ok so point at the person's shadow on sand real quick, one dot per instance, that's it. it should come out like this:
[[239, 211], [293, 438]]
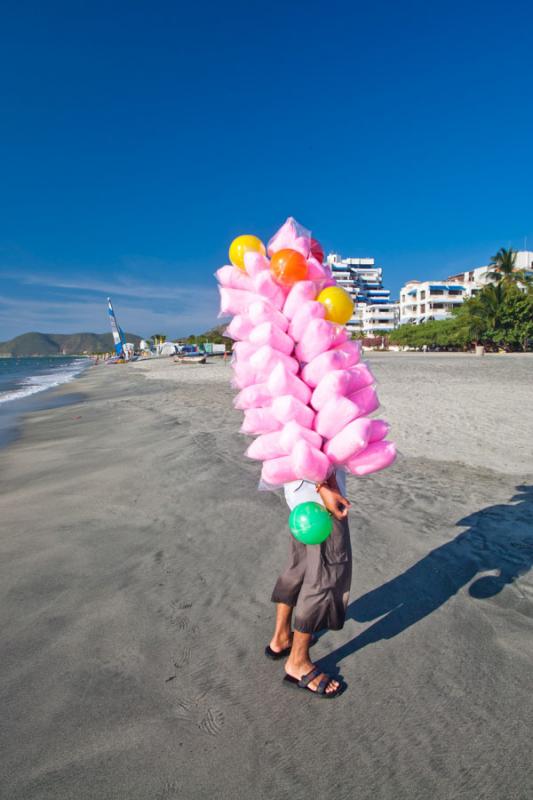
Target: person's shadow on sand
[[499, 538]]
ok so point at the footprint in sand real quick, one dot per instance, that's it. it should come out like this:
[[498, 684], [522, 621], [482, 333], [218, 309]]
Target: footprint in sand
[[181, 623], [170, 790], [212, 722], [183, 633], [208, 719], [183, 658], [179, 662], [178, 621]]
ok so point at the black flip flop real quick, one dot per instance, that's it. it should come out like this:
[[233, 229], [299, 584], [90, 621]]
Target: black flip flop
[[276, 656], [284, 653], [305, 680]]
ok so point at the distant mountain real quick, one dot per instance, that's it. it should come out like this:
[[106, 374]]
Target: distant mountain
[[61, 344]]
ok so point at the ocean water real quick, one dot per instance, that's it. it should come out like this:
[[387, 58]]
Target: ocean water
[[22, 377]]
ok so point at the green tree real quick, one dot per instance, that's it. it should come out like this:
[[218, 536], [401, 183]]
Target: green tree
[[501, 315], [516, 320], [435, 333], [471, 322], [479, 316], [215, 335]]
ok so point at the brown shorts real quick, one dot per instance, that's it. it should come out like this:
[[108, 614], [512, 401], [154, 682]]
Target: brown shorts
[[317, 581]]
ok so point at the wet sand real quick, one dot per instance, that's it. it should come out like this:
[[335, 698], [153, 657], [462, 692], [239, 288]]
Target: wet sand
[[137, 560]]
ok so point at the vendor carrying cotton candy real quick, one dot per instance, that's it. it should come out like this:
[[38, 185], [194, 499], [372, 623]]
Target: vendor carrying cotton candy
[[307, 399]]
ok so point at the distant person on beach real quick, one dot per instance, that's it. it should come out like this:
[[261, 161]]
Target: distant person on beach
[[315, 587]]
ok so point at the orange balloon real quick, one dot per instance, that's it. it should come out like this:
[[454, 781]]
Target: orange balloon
[[288, 266]]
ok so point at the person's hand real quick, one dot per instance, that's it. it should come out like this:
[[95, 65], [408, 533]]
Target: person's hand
[[335, 503]]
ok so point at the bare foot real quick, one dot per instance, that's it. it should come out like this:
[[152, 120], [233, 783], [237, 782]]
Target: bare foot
[[281, 642]]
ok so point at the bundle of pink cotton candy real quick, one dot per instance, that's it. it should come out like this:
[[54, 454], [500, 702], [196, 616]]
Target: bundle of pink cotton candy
[[305, 394]]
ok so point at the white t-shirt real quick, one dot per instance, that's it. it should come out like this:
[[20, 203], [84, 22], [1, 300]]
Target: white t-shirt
[[298, 492]]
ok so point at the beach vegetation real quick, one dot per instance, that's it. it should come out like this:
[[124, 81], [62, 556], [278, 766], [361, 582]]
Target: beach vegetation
[[499, 317], [446, 333], [214, 335]]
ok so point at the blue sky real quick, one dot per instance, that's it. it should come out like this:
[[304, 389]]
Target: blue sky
[[138, 138]]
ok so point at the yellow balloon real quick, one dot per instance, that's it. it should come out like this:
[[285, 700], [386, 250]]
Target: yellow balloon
[[244, 244], [339, 304]]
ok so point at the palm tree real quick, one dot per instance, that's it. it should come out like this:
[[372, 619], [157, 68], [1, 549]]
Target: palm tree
[[505, 272], [480, 315], [158, 338], [471, 321], [491, 301]]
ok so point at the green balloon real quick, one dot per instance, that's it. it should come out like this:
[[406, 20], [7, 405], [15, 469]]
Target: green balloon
[[310, 523]]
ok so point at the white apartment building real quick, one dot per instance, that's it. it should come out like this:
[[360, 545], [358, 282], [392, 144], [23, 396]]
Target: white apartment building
[[379, 319], [421, 301], [374, 314], [476, 277]]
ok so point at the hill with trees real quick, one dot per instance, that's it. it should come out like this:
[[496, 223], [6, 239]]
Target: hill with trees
[[61, 344], [214, 335]]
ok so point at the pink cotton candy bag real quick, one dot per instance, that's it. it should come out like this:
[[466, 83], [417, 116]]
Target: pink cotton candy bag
[[305, 394]]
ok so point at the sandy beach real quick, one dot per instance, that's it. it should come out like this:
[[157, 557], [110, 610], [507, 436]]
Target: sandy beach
[[137, 559]]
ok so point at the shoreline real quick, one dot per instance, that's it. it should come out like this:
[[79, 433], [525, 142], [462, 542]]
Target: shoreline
[[136, 563], [13, 413]]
